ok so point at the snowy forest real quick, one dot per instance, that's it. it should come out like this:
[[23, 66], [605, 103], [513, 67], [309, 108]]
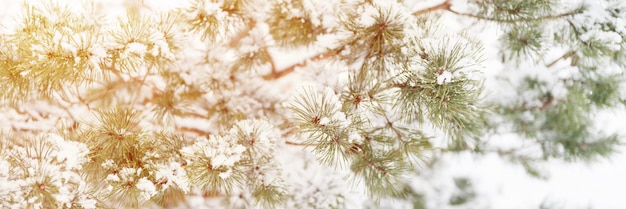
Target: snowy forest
[[417, 104]]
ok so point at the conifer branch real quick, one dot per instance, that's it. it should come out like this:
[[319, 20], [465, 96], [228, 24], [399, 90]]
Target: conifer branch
[[515, 20], [271, 60], [299, 144], [374, 165], [546, 103], [447, 6], [234, 41], [562, 57], [403, 73], [443, 6], [275, 74]]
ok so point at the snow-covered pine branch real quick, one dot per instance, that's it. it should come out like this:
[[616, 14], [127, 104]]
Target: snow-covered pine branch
[[296, 103]]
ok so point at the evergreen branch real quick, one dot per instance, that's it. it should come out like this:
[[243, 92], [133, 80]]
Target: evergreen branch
[[447, 5], [142, 82], [251, 23], [113, 70], [390, 125], [299, 144], [377, 166], [286, 71], [271, 60], [564, 56], [373, 121], [576, 31], [546, 103], [443, 6], [83, 101], [193, 130], [67, 109], [514, 20], [111, 88]]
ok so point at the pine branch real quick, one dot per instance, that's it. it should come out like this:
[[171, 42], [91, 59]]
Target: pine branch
[[562, 57], [401, 75], [275, 74], [515, 20], [272, 63], [299, 144], [443, 6], [447, 6]]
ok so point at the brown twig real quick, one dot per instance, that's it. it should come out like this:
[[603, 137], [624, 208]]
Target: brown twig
[[443, 6], [546, 103], [321, 56], [193, 130], [447, 6], [298, 144], [565, 56], [271, 60], [512, 20], [234, 42], [374, 165]]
